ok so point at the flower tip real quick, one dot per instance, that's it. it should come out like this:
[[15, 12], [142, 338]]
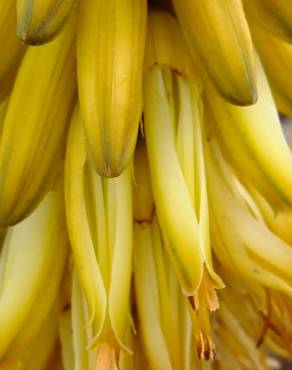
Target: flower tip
[[250, 97], [106, 358]]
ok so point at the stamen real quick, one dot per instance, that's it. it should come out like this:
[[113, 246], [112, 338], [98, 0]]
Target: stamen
[[106, 358]]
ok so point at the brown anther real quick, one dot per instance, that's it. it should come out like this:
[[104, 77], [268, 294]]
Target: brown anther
[[205, 347]]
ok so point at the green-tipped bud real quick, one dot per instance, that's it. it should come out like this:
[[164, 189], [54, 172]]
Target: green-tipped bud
[[218, 37], [110, 52], [39, 21], [34, 129]]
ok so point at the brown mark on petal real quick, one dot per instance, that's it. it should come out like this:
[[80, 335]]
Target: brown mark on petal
[[267, 322], [192, 302]]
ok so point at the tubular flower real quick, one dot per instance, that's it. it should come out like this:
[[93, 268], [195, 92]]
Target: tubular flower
[[145, 184]]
